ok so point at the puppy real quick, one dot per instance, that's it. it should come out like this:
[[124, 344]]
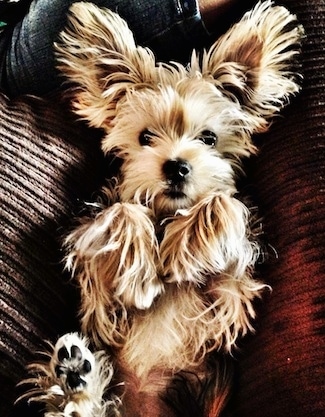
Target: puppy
[[165, 266]]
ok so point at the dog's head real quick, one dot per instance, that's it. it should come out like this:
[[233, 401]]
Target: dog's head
[[180, 131]]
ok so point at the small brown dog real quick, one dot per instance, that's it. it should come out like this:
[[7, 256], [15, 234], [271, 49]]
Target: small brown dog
[[165, 269]]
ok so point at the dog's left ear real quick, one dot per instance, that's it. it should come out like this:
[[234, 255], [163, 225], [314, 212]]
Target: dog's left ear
[[252, 62], [98, 55]]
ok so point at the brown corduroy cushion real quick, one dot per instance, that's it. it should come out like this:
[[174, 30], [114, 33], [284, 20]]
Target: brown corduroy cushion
[[281, 370], [48, 164]]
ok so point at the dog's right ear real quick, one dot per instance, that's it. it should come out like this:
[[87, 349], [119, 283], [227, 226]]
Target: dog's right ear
[[98, 55], [253, 63]]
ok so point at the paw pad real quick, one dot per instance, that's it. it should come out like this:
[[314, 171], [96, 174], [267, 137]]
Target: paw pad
[[72, 364]]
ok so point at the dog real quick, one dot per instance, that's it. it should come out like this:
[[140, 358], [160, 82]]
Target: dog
[[165, 266]]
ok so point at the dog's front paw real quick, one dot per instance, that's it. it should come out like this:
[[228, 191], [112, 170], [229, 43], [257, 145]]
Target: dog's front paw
[[114, 257], [72, 363], [210, 238]]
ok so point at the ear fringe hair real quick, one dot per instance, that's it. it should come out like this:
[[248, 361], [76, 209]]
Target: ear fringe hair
[[255, 58], [98, 55]]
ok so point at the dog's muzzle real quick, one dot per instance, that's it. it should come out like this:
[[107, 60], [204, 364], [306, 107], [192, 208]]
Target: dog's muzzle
[[177, 172]]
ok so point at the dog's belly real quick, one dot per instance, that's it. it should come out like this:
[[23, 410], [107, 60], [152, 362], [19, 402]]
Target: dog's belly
[[169, 337]]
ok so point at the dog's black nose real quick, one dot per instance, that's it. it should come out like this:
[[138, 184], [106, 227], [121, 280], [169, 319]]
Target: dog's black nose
[[176, 170]]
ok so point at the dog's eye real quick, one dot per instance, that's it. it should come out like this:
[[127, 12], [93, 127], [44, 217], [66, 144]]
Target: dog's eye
[[208, 137], [145, 138]]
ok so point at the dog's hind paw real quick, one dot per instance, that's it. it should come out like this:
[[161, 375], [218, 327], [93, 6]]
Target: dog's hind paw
[[72, 363], [73, 382]]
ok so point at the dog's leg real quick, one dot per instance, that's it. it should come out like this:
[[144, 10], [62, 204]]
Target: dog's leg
[[114, 258], [209, 246], [73, 382], [209, 238]]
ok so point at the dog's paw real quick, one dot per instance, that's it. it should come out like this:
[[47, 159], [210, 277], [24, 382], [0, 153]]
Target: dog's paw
[[118, 253], [74, 382], [72, 363], [210, 238]]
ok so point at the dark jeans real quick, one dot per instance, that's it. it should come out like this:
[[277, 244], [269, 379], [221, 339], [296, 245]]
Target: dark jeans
[[172, 28]]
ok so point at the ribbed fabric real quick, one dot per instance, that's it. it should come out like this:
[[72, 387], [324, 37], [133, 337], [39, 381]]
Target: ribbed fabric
[[47, 164], [281, 370]]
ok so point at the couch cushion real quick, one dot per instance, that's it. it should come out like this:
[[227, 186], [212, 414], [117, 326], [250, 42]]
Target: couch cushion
[[281, 369], [49, 164]]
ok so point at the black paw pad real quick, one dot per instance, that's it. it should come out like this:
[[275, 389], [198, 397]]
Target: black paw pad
[[86, 366], [72, 367], [76, 352], [74, 380], [59, 370], [63, 354]]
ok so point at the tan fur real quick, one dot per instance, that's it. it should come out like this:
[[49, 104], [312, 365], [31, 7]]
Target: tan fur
[[166, 270]]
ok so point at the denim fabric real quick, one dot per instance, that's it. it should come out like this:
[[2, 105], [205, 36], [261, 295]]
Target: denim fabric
[[172, 28]]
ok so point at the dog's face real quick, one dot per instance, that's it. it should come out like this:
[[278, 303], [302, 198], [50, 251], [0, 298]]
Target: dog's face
[[180, 131], [177, 143]]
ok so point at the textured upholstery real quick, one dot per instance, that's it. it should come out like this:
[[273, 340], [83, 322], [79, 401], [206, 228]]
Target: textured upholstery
[[281, 370], [50, 164]]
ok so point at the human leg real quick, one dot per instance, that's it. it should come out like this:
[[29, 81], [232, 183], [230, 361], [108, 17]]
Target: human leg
[[30, 63]]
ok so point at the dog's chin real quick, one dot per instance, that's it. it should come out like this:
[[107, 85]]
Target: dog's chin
[[172, 200], [175, 195]]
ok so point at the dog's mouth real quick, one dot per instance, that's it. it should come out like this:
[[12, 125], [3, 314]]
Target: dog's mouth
[[175, 192], [175, 195]]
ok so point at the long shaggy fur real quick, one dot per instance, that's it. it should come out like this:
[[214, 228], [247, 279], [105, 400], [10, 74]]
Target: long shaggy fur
[[166, 269]]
